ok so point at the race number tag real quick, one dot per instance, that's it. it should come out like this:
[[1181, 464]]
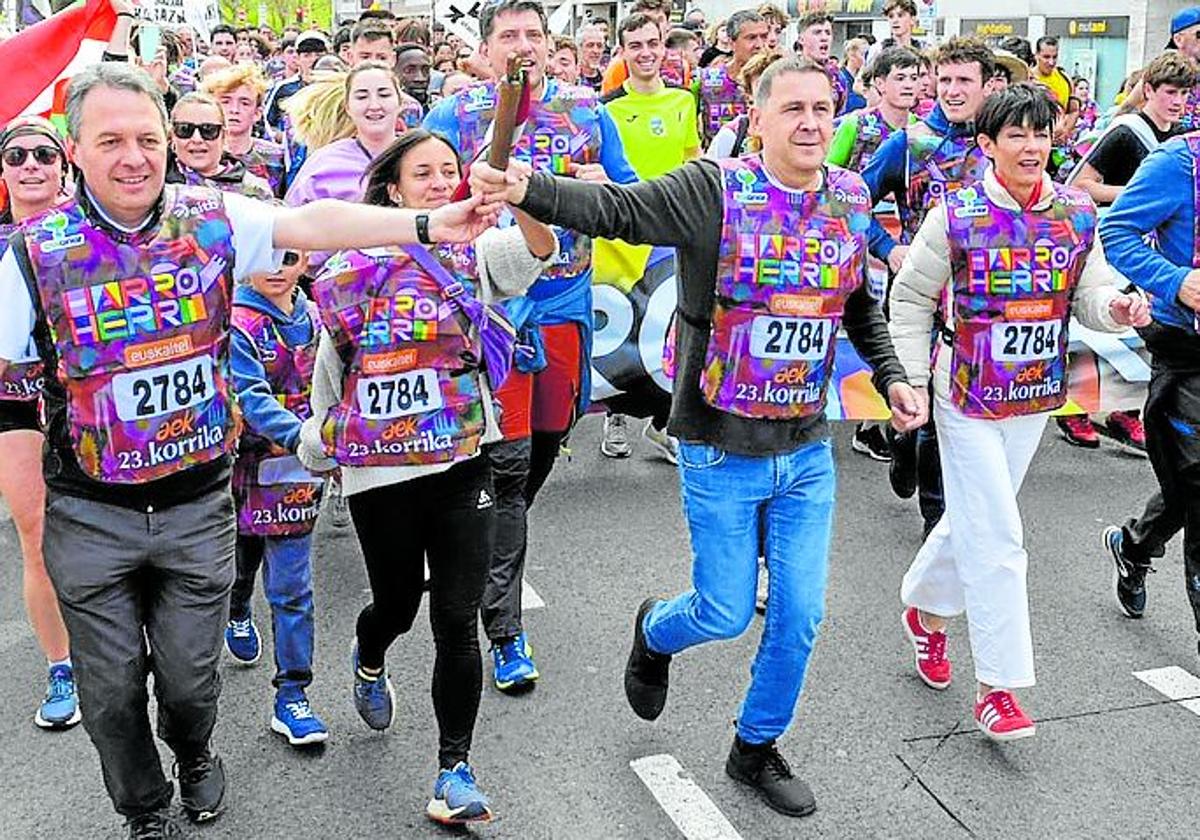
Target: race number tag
[[384, 397], [790, 339], [163, 390], [1025, 342]]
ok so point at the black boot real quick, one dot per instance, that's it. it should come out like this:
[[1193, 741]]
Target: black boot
[[764, 769], [646, 673], [201, 785]]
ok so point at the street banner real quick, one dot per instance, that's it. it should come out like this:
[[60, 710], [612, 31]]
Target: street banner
[[635, 293]]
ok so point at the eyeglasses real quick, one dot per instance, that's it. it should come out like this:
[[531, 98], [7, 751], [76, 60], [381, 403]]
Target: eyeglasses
[[17, 155], [208, 131], [290, 258]]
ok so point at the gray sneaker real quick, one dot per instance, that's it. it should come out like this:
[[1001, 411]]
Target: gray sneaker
[[666, 444], [615, 443], [338, 507]]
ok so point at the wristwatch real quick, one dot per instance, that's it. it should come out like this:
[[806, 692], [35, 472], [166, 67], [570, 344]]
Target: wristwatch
[[422, 221]]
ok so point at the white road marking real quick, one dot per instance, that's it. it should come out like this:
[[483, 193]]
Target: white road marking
[[1176, 684], [689, 807], [530, 600]]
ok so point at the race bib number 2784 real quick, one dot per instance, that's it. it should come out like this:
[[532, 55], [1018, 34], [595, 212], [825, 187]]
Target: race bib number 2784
[[165, 389]]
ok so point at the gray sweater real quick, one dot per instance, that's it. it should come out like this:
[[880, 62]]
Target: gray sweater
[[685, 209]]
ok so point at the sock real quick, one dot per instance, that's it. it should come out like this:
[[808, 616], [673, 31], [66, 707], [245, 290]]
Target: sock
[[369, 674], [51, 665]]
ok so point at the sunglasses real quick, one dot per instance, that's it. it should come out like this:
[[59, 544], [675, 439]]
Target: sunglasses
[[290, 258], [208, 131], [17, 155]]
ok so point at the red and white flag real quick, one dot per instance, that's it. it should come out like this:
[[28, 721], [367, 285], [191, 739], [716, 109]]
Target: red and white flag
[[39, 61]]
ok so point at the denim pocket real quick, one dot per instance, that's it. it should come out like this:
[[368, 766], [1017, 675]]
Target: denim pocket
[[700, 456]]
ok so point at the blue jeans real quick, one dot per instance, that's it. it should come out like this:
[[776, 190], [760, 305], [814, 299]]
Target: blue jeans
[[725, 497], [287, 583]]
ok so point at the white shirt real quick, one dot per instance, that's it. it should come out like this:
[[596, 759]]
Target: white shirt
[[253, 226]]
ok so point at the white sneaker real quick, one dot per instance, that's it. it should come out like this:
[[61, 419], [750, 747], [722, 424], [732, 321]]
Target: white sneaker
[[615, 443], [338, 507], [666, 444]]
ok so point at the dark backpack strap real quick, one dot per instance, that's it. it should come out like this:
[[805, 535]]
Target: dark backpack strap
[[739, 142]]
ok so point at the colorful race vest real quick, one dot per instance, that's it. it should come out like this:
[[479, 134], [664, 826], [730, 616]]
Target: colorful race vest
[[561, 131], [840, 91], [266, 160], [411, 382], [937, 165], [22, 381], [787, 263], [1190, 120], [233, 176], [721, 99], [873, 129], [140, 326], [275, 495], [1014, 273]]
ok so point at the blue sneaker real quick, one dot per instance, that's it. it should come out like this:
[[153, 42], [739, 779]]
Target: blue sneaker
[[374, 699], [512, 664], [296, 721], [242, 641], [457, 799], [60, 709]]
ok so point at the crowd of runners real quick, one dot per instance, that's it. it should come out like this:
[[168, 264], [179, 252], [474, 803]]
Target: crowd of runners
[[273, 274]]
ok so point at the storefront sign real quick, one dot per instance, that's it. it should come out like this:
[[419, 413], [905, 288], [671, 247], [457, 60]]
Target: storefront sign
[[1093, 27], [995, 27]]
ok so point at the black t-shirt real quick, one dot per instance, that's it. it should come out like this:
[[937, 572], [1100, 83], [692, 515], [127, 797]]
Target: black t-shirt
[[1119, 153]]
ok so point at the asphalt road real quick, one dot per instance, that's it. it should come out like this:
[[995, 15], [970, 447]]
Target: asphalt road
[[887, 758]]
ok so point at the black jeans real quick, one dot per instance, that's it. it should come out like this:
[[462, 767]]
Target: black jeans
[[448, 518], [1172, 418], [501, 611], [122, 577]]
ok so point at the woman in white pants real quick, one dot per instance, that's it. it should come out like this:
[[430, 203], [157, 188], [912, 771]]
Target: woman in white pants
[[995, 273]]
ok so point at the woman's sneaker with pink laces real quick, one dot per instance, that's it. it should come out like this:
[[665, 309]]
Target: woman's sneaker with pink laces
[[1000, 718], [929, 647]]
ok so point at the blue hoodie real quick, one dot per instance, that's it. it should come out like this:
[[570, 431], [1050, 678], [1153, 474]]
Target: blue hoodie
[[887, 174], [263, 413], [1160, 199]]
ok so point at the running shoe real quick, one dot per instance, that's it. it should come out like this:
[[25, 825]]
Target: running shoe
[[60, 708], [242, 641], [457, 798], [1078, 430], [615, 443], [374, 699], [201, 785], [1000, 718], [155, 825], [869, 441], [338, 506], [929, 650], [646, 673], [512, 664], [295, 720], [763, 590], [1130, 578], [764, 769], [1126, 429], [667, 445], [902, 472]]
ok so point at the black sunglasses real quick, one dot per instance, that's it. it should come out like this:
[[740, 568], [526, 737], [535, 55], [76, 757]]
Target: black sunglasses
[[208, 131], [17, 155], [290, 258]]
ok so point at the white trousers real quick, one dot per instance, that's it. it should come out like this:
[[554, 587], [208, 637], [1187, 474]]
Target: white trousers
[[975, 560]]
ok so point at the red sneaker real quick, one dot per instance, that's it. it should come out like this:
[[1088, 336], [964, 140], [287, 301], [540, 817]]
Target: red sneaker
[[930, 648], [1000, 718], [1078, 430], [1125, 427]]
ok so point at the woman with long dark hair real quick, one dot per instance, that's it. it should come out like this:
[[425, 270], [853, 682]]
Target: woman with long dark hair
[[409, 356]]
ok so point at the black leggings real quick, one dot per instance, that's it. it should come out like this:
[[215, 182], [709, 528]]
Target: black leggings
[[449, 518]]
